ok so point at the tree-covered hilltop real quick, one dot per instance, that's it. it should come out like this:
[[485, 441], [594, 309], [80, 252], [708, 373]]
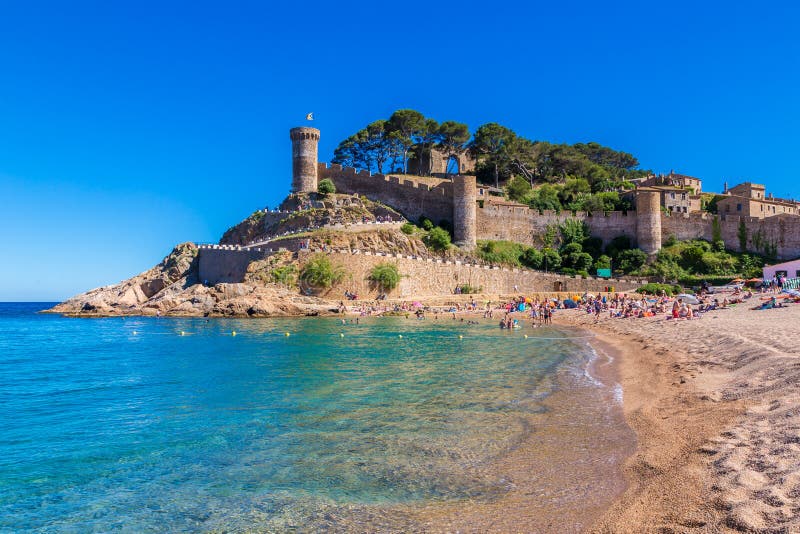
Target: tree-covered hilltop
[[583, 176]]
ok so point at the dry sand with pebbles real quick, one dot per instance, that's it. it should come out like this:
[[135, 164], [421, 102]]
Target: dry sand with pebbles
[[715, 403]]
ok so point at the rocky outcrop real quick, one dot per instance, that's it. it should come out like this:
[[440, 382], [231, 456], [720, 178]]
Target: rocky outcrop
[[172, 288], [307, 210]]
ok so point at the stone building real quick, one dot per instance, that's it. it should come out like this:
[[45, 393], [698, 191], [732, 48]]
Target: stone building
[[672, 199], [305, 142], [750, 200], [476, 213], [675, 180], [434, 162]]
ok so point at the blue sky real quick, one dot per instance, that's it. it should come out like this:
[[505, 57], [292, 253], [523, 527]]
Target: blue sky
[[128, 127]]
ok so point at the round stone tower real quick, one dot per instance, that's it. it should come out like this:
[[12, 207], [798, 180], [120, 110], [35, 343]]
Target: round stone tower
[[465, 198], [304, 159], [648, 221]]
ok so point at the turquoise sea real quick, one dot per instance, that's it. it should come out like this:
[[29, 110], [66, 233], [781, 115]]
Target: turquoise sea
[[154, 425]]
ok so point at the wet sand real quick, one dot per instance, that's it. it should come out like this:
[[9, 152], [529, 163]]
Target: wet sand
[[566, 473], [715, 404], [562, 475]]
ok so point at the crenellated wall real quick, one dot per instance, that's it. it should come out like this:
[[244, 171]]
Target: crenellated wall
[[431, 197], [524, 225], [436, 199], [226, 263], [429, 277]]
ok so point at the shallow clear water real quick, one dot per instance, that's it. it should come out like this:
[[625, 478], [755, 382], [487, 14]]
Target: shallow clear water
[[125, 424]]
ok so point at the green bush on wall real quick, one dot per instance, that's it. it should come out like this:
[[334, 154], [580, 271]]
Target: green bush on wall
[[385, 276], [320, 272]]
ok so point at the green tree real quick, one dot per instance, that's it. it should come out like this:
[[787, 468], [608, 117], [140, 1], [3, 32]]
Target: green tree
[[492, 141], [426, 137], [691, 258], [716, 230], [532, 258], [593, 246], [573, 190], [580, 261], [438, 239], [617, 245], [326, 187], [603, 262], [573, 231], [320, 272], [631, 260], [571, 247], [453, 137], [545, 198], [518, 189], [407, 228], [385, 276], [742, 234], [404, 127], [551, 259]]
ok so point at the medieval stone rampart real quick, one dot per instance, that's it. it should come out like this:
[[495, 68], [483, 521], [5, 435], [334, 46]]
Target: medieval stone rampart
[[524, 225], [226, 263], [430, 277], [420, 276], [647, 228], [412, 198]]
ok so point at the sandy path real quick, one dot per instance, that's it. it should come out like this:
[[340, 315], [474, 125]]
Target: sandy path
[[715, 403]]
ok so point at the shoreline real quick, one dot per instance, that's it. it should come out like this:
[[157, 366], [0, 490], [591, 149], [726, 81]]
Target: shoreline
[[715, 405], [664, 473], [593, 445]]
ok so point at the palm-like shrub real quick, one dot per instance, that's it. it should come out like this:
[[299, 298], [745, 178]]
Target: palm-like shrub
[[320, 272], [385, 276]]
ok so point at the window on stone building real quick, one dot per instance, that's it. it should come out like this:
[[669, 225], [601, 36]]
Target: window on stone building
[[738, 207]]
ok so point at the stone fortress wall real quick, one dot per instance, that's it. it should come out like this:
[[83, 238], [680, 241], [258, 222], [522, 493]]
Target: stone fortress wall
[[431, 197], [457, 202], [421, 276], [436, 199]]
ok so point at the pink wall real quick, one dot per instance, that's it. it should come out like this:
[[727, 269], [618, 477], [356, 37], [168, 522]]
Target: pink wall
[[791, 267]]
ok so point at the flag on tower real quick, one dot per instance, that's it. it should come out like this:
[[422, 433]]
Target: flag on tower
[[310, 117]]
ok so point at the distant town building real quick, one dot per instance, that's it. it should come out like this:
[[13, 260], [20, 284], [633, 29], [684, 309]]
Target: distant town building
[[673, 179], [750, 200], [679, 193]]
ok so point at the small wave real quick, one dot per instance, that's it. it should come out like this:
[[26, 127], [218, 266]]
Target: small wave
[[595, 355]]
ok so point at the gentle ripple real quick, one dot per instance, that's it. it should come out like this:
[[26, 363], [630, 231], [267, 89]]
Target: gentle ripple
[[104, 429]]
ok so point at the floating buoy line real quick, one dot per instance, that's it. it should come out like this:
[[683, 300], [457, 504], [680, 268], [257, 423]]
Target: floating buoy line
[[341, 335]]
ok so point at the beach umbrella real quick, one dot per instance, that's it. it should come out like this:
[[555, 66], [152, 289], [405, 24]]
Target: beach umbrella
[[569, 303]]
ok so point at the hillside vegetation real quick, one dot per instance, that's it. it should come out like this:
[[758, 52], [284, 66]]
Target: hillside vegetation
[[582, 176], [569, 249]]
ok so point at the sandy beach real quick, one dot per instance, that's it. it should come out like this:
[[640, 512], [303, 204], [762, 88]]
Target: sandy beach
[[715, 404]]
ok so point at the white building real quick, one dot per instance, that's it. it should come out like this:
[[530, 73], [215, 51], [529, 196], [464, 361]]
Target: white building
[[789, 269]]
